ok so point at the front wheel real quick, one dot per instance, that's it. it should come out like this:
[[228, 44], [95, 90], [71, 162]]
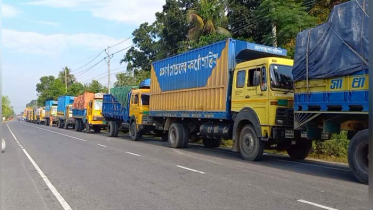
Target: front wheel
[[251, 147], [87, 128], [358, 156], [300, 150], [77, 125], [134, 134]]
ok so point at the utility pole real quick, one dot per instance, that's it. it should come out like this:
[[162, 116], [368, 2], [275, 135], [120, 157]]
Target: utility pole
[[108, 68], [66, 78]]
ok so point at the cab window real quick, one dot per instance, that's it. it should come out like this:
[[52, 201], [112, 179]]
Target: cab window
[[145, 99], [240, 80], [136, 99], [250, 80]]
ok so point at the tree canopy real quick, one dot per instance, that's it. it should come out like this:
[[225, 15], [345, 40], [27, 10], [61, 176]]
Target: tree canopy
[[6, 107]]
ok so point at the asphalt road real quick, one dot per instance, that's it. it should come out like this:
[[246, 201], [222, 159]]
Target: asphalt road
[[51, 168]]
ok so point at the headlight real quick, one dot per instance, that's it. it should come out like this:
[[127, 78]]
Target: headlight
[[279, 122], [95, 118]]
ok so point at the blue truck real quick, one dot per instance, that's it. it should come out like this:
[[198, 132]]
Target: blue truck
[[64, 112], [126, 109], [331, 82], [50, 110]]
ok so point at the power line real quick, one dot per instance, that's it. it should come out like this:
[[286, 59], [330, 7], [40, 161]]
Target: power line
[[89, 68], [121, 42], [87, 63]]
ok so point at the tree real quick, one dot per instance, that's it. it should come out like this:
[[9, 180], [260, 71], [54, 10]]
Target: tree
[[95, 87], [33, 103], [75, 89], [124, 79], [70, 77], [242, 23], [6, 108], [49, 89], [321, 9], [145, 50], [208, 19], [288, 18]]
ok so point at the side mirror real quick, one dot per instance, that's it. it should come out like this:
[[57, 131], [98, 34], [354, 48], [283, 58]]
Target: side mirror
[[256, 79]]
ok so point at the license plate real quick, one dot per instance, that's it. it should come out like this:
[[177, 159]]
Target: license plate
[[304, 134], [289, 134]]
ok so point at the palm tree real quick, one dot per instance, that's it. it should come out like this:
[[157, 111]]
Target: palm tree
[[70, 77], [209, 18]]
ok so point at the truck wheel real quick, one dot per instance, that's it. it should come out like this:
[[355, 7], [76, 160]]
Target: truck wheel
[[116, 131], [211, 143], [111, 128], [358, 153], [134, 134], [251, 147], [176, 135], [301, 150], [87, 128], [186, 132], [60, 124], [77, 125], [47, 122], [65, 125]]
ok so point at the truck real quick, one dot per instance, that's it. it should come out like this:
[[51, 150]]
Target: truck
[[39, 115], [230, 89], [331, 82], [87, 110], [64, 117], [30, 115], [50, 110], [126, 109]]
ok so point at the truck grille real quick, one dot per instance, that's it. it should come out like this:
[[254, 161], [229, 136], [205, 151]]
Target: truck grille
[[286, 115]]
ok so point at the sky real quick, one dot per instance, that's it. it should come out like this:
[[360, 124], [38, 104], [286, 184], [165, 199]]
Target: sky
[[40, 37]]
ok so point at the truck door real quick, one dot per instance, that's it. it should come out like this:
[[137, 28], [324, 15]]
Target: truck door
[[134, 107], [89, 111], [238, 90], [256, 93]]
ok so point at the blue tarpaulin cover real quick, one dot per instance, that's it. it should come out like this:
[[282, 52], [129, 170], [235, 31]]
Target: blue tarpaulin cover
[[336, 48]]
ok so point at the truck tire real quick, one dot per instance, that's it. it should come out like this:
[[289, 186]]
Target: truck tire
[[77, 125], [65, 125], [186, 132], [175, 135], [251, 147], [358, 152], [87, 127], [116, 131], [47, 122], [301, 150], [59, 123], [211, 143], [111, 129], [134, 134]]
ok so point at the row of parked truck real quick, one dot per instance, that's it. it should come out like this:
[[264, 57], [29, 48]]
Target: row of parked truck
[[246, 92]]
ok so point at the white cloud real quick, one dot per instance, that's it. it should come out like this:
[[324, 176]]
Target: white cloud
[[128, 11], [47, 23], [36, 43], [9, 11]]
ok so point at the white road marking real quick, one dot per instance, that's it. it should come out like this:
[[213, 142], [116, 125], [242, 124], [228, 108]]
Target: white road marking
[[101, 145], [317, 205], [308, 164], [59, 197], [54, 132], [183, 167], [133, 154]]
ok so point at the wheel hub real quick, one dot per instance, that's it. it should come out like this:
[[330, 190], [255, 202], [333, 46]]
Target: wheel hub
[[248, 145]]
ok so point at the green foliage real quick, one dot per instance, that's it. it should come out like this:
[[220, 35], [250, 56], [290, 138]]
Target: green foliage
[[70, 77], [337, 147], [126, 79], [33, 103], [288, 17], [95, 87], [49, 88], [75, 89], [6, 108]]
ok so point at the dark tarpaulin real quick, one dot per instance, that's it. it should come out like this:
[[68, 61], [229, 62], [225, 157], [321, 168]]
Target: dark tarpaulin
[[336, 48]]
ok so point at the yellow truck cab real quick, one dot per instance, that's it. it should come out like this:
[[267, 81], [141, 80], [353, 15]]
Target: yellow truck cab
[[94, 118], [139, 113], [262, 91]]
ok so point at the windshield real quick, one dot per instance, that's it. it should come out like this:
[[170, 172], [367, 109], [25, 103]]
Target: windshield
[[97, 105], [281, 77], [145, 99]]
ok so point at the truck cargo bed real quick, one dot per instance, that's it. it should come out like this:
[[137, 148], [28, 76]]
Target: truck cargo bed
[[112, 109], [197, 83], [79, 113]]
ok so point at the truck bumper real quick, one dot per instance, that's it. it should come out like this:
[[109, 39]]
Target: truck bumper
[[286, 133]]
